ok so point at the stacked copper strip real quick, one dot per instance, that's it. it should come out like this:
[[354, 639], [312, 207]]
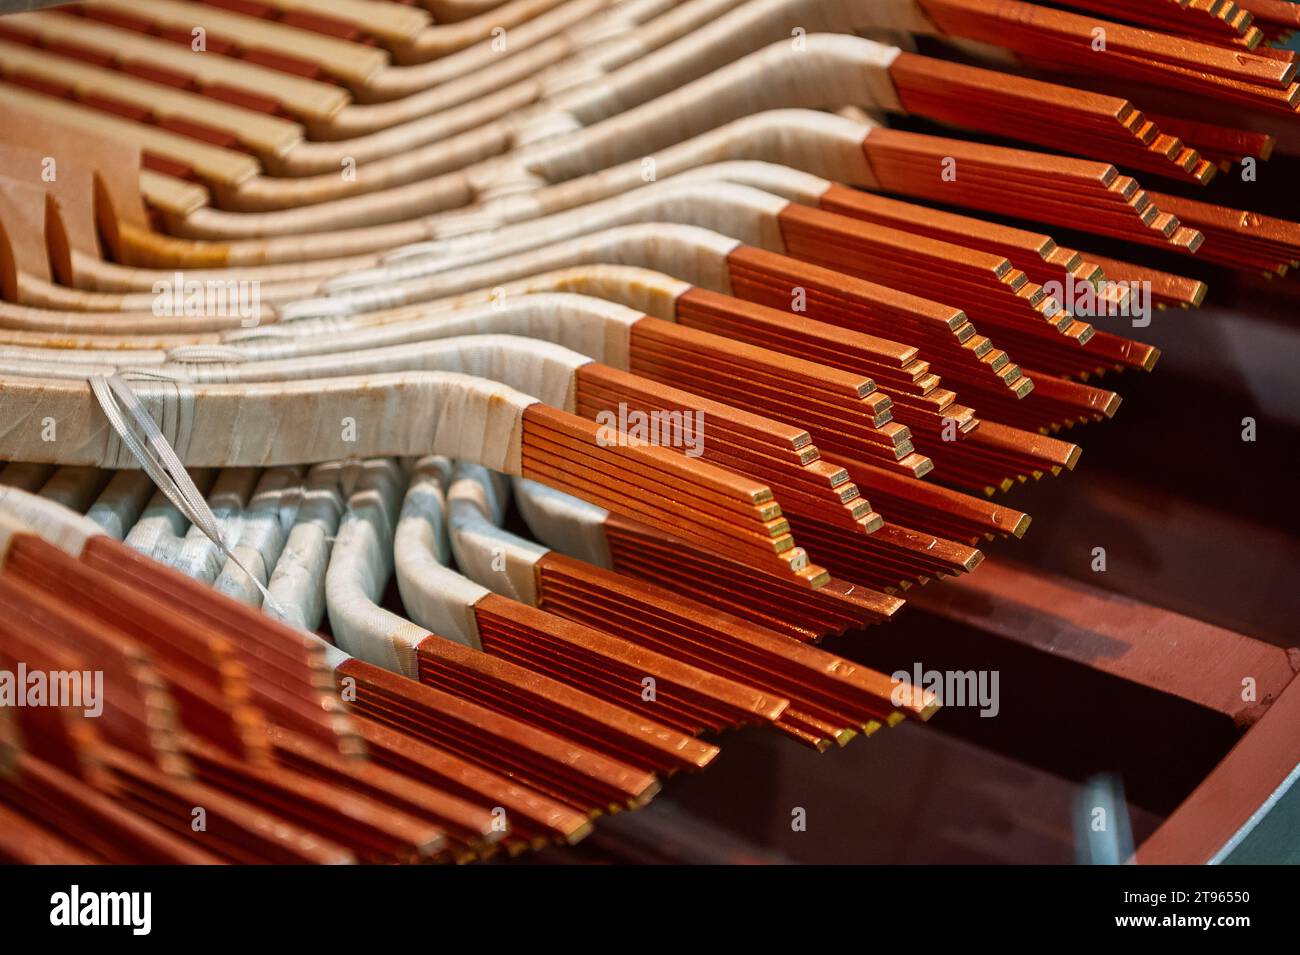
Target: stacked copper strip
[[893, 556], [254, 810], [846, 408], [1058, 117], [783, 456], [560, 768], [563, 693], [1224, 145], [1037, 255], [1276, 19], [918, 400], [980, 458], [953, 346], [744, 591], [1050, 263], [1167, 289], [686, 697], [830, 698], [1014, 183], [935, 509], [915, 393], [1215, 21], [231, 747], [653, 483], [994, 294], [1243, 240], [1062, 40]]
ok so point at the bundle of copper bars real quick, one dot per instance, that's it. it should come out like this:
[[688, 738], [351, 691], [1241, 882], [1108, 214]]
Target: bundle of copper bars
[[636, 343]]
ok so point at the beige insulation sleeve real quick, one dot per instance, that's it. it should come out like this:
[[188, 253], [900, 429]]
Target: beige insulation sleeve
[[709, 44], [299, 422], [582, 323], [74, 487], [726, 38], [811, 140], [541, 369], [161, 525], [121, 502], [433, 594], [642, 291], [359, 568], [194, 553], [564, 523], [24, 513], [819, 143], [486, 553], [667, 37], [263, 528], [827, 70], [689, 253], [335, 657], [41, 368], [297, 584], [741, 212], [790, 184], [74, 356]]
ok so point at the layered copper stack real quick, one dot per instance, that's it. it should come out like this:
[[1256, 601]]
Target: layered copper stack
[[879, 340]]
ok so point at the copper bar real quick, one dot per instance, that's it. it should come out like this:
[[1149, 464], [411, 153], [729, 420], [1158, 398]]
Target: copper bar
[[552, 764], [96, 823]]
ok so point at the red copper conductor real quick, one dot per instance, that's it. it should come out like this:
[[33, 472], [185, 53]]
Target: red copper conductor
[[563, 704], [1075, 193], [743, 590], [555, 766], [1066, 41], [659, 486], [533, 818], [139, 713], [1241, 239], [68, 821], [780, 454], [207, 679], [691, 699], [1059, 117], [467, 825], [943, 335], [820, 687], [289, 676]]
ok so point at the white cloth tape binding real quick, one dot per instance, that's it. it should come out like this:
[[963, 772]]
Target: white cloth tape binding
[[435, 596], [160, 462], [485, 552], [564, 523], [22, 511]]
